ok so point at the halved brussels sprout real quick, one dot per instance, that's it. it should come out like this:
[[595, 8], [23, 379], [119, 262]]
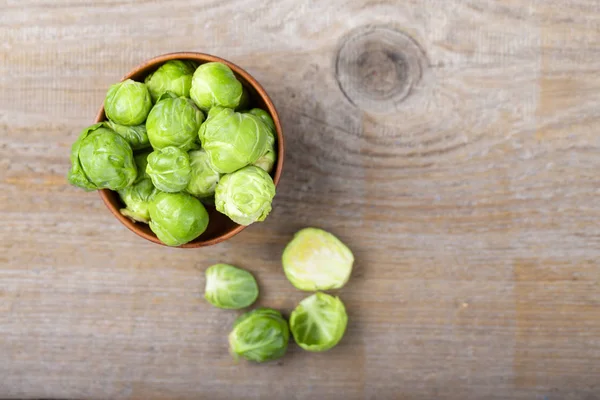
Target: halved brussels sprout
[[203, 179], [245, 196], [233, 140], [214, 84], [177, 218], [137, 199], [318, 323], [174, 121], [230, 287], [173, 76], [128, 103], [101, 159], [317, 260], [259, 335], [169, 169]]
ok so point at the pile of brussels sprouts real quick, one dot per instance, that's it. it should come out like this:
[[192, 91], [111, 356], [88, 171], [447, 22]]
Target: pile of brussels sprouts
[[167, 161], [314, 260]]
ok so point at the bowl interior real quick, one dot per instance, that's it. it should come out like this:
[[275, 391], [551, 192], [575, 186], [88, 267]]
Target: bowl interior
[[220, 227]]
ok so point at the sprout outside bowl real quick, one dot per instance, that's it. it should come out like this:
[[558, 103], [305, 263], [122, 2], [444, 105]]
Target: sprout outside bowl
[[220, 227]]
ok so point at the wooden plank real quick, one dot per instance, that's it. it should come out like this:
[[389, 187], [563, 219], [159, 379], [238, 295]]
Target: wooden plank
[[470, 201]]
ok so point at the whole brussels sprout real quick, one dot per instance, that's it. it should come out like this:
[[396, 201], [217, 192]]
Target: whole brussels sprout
[[203, 179], [259, 335], [136, 136], [233, 140], [177, 218], [318, 323], [141, 162], [244, 100], [128, 103], [230, 287], [214, 84], [267, 160], [173, 76], [174, 121], [316, 260], [265, 117], [137, 199], [101, 159], [169, 169], [245, 196]]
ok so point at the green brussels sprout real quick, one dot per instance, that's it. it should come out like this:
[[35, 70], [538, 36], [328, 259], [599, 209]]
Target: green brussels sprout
[[317, 260], [267, 160], [230, 287], [244, 100], [259, 335], [101, 159], [128, 103], [245, 196], [318, 323], [233, 140], [265, 118], [203, 179], [137, 199], [174, 121], [136, 136], [177, 218], [141, 162], [173, 76], [169, 169], [214, 84]]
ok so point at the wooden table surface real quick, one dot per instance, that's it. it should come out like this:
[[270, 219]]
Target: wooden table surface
[[453, 145]]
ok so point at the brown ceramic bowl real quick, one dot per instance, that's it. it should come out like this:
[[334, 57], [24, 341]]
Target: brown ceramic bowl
[[220, 227]]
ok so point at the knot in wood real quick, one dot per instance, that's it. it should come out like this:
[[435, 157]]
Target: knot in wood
[[377, 67]]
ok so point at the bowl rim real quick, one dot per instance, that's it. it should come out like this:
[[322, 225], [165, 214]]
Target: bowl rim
[[202, 58]]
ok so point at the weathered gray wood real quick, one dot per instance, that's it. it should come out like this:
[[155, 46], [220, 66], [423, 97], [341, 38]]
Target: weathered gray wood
[[471, 205]]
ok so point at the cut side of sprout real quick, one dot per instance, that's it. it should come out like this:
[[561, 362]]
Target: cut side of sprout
[[317, 260]]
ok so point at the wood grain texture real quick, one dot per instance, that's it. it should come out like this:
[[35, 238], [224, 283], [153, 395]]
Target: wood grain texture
[[471, 208]]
